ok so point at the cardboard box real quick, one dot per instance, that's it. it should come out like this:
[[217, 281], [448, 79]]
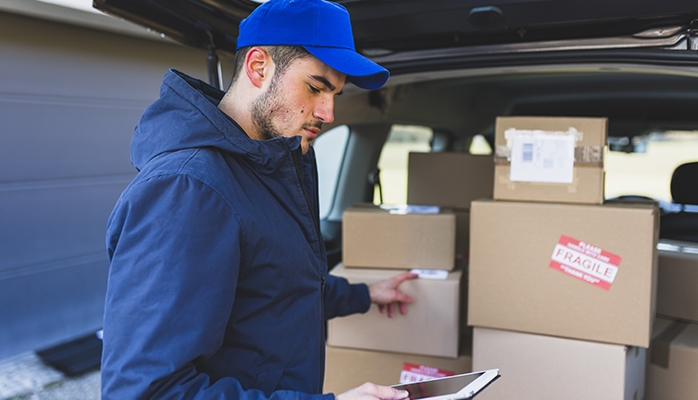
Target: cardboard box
[[545, 268], [430, 327], [539, 367], [449, 179], [376, 238], [677, 280], [550, 159], [673, 361], [349, 368]]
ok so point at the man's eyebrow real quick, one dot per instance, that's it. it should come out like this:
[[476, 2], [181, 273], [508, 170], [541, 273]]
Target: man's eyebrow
[[325, 82]]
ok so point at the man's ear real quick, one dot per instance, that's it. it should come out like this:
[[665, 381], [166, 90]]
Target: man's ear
[[258, 66]]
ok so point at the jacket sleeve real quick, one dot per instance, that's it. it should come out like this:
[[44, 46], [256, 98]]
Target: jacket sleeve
[[172, 241], [343, 298]]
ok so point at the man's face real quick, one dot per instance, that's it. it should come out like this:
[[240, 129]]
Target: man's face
[[298, 101]]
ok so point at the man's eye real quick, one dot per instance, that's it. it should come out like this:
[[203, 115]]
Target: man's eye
[[313, 89]]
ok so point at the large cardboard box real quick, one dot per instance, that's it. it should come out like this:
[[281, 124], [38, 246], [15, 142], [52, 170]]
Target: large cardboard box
[[550, 159], [677, 281], [349, 368], [539, 367], [374, 237], [449, 179], [673, 361], [430, 327], [571, 270]]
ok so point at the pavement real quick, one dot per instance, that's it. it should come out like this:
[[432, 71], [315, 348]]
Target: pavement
[[26, 377]]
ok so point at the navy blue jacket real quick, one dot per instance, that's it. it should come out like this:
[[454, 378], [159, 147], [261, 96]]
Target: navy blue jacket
[[218, 286]]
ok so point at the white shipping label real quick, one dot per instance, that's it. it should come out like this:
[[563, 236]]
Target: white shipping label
[[542, 158], [438, 274]]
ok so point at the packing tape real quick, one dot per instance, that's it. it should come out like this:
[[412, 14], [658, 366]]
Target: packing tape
[[584, 156]]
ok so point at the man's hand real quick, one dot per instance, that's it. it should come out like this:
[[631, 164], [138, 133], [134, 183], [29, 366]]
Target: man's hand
[[386, 292], [370, 391]]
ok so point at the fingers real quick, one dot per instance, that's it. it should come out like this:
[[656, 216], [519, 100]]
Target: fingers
[[370, 391], [388, 393], [389, 307], [384, 392], [386, 291], [402, 298], [402, 307], [398, 279]]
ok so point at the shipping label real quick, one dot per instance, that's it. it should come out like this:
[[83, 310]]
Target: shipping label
[[417, 373], [437, 274], [538, 156], [585, 261]]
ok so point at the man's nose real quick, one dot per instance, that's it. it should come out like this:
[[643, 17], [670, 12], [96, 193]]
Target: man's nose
[[324, 111]]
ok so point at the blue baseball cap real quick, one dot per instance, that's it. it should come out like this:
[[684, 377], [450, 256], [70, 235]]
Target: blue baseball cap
[[321, 27]]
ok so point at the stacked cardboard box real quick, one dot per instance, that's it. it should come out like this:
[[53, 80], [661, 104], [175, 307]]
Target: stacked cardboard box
[[437, 304], [677, 280], [375, 237], [450, 181], [562, 286], [348, 368], [430, 234], [371, 347], [673, 361], [550, 159], [673, 353], [548, 367]]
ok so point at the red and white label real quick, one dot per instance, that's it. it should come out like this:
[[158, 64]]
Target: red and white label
[[585, 261], [417, 373]]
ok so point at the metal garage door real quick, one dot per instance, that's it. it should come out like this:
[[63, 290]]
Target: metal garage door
[[69, 100]]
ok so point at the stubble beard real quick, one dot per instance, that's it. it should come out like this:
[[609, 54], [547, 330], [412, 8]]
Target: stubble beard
[[263, 108], [266, 106]]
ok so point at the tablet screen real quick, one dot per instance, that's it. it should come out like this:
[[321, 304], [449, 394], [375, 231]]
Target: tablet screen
[[438, 387]]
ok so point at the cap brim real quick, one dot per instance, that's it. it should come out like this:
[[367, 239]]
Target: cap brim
[[360, 71]]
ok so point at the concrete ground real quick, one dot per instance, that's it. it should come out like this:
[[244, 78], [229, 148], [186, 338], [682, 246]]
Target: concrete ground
[[26, 377]]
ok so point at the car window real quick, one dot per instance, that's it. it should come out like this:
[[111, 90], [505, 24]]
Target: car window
[[392, 163], [639, 167], [329, 149], [480, 146], [647, 167]]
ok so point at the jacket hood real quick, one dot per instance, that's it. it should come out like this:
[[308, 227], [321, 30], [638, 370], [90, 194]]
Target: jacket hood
[[187, 116]]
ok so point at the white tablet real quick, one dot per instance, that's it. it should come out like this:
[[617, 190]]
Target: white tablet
[[463, 386]]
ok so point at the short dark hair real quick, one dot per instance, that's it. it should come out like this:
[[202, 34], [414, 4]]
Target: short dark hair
[[281, 55]]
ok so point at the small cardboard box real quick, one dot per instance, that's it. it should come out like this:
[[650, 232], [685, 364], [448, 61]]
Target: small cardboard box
[[550, 159], [673, 361], [677, 280], [349, 368], [374, 237], [578, 271], [449, 179], [430, 327], [539, 367]]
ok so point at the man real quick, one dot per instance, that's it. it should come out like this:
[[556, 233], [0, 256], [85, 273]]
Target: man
[[219, 285]]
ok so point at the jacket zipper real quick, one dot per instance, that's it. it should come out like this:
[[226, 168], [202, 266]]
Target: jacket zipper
[[296, 161], [297, 157]]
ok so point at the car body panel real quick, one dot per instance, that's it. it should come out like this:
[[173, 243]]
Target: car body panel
[[390, 26]]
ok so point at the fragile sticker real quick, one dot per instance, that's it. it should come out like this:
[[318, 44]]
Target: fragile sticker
[[417, 373], [586, 262]]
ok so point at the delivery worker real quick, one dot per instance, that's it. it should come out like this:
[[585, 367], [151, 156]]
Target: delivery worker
[[218, 286]]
